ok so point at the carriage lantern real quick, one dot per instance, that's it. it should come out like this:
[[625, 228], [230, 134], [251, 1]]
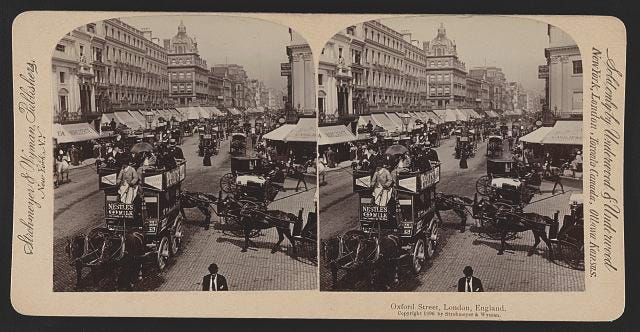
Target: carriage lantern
[[405, 121]]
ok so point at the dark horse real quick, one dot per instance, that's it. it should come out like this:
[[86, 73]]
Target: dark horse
[[357, 252], [199, 200], [447, 202], [252, 215], [104, 249], [516, 221]]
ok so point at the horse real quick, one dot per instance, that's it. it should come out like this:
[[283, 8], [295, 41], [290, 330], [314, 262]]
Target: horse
[[199, 200], [61, 168], [447, 202], [511, 220], [100, 248], [357, 252], [252, 215]]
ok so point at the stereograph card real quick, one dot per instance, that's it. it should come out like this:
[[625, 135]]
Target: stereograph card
[[335, 165]]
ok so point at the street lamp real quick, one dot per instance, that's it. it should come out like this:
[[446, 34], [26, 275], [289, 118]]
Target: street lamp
[[148, 116], [405, 121]]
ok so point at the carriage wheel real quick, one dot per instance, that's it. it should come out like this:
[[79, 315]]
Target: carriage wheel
[[176, 236], [163, 253], [228, 183], [419, 256], [571, 253], [432, 241], [483, 185]]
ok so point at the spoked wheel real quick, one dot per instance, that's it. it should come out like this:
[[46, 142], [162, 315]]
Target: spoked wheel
[[228, 183], [176, 236], [163, 253], [419, 256], [432, 241], [483, 185], [571, 254]]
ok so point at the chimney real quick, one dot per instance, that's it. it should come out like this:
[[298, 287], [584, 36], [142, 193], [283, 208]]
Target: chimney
[[167, 44], [406, 35]]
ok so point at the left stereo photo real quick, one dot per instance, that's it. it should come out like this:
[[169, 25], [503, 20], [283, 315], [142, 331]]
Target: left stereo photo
[[185, 152]]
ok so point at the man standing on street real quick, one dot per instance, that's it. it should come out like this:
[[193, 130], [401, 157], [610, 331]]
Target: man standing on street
[[214, 282], [469, 283]]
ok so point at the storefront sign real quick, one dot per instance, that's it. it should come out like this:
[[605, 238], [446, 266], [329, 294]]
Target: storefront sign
[[543, 71]]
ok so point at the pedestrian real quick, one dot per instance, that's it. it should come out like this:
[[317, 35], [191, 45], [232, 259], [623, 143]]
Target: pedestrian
[[321, 168], [113, 124], [206, 159], [469, 283], [463, 159], [214, 282], [557, 180], [369, 127], [300, 169], [330, 154]]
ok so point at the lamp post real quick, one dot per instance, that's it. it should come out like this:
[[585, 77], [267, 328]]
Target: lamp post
[[405, 121], [148, 116]]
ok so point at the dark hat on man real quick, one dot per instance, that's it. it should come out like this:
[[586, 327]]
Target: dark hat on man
[[213, 268], [468, 271]]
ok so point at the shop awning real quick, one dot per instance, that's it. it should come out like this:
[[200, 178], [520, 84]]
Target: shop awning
[[75, 132], [215, 111], [304, 131], [138, 116], [387, 124], [192, 113], [106, 118], [536, 136], [334, 135], [447, 115], [234, 111], [564, 132], [280, 133], [129, 120], [363, 120]]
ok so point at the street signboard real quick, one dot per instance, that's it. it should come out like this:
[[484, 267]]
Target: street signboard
[[285, 69], [543, 71]]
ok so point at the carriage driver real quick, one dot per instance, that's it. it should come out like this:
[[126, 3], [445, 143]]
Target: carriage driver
[[383, 188]]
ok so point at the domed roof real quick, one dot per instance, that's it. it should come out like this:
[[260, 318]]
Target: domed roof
[[182, 37], [442, 40]]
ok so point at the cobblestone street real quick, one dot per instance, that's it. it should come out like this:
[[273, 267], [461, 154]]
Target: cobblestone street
[[513, 271], [79, 208]]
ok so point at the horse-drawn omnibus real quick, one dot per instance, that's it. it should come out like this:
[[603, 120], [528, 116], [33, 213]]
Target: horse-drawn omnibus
[[494, 146], [390, 233], [238, 145], [147, 226]]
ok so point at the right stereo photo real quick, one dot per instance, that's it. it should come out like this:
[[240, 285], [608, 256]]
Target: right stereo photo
[[450, 156]]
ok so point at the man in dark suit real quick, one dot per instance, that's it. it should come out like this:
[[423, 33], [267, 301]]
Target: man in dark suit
[[213, 281], [469, 283]]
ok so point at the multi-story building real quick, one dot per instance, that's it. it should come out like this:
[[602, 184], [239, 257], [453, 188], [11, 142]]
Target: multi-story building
[[301, 87], [73, 78], [414, 70], [356, 54], [334, 79], [216, 89], [384, 61], [564, 83], [474, 93], [495, 86], [446, 73], [188, 72], [221, 72], [155, 70]]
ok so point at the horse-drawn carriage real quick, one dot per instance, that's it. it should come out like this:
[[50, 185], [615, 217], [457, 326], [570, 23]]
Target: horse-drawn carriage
[[570, 239], [505, 183], [253, 177], [464, 145], [404, 228], [139, 224], [208, 141], [238, 145], [494, 146]]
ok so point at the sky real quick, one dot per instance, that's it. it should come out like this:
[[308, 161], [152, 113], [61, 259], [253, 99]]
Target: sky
[[259, 46], [514, 44]]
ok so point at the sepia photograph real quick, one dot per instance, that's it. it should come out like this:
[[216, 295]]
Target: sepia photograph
[[184, 156], [452, 156]]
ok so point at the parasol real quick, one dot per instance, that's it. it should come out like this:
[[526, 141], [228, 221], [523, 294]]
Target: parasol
[[396, 149], [141, 147]]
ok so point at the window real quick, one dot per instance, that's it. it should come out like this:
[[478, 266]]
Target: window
[[63, 103], [61, 77], [60, 47], [175, 87], [320, 79], [576, 99], [577, 68]]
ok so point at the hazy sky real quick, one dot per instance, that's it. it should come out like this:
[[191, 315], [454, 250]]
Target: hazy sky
[[514, 44], [259, 46]]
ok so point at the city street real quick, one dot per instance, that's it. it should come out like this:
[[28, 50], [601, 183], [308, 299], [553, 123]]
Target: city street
[[513, 271], [79, 207]]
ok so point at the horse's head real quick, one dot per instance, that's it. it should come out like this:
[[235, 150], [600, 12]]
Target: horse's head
[[367, 251], [75, 246]]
